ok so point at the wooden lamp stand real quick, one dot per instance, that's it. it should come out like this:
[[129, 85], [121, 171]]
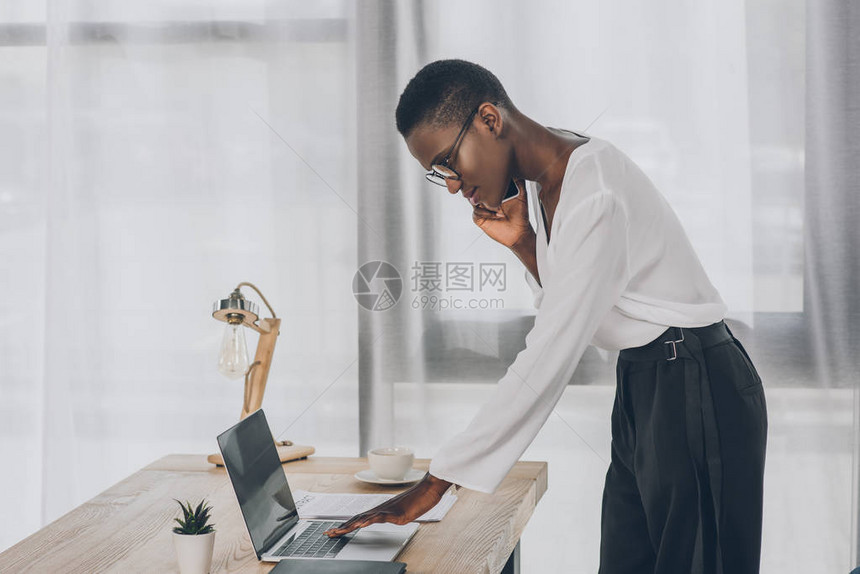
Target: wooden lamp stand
[[237, 309]]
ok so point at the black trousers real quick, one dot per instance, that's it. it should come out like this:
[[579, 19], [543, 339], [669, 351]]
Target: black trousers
[[684, 488]]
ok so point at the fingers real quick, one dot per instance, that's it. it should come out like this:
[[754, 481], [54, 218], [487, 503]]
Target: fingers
[[354, 523]]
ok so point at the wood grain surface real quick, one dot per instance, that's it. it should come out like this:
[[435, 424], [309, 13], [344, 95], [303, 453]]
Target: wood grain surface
[[127, 528]]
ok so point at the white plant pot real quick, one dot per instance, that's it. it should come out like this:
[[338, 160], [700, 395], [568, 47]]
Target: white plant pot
[[194, 552]]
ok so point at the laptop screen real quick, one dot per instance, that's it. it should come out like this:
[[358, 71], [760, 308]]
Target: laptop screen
[[258, 480]]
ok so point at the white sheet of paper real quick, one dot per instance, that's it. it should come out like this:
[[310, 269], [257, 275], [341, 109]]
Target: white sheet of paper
[[343, 506]]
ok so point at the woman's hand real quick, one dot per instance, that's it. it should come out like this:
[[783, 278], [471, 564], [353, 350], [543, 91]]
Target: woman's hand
[[401, 509], [511, 223]]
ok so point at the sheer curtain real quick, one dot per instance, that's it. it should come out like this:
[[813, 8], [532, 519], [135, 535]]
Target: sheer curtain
[[159, 154], [832, 237]]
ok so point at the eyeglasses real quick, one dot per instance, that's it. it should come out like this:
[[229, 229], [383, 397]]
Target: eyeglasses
[[439, 172]]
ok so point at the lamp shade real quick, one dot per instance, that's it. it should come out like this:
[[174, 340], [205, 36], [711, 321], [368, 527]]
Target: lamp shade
[[234, 308]]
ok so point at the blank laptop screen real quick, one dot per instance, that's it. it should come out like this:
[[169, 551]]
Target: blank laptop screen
[[258, 479]]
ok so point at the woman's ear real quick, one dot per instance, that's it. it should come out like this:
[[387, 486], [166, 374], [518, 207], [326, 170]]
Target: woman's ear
[[491, 116]]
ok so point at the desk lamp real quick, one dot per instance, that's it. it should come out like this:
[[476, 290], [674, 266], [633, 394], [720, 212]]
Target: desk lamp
[[238, 313]]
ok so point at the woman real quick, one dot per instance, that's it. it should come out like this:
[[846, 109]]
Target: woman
[[610, 265]]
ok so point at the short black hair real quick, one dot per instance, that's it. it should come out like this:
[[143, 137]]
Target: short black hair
[[445, 92]]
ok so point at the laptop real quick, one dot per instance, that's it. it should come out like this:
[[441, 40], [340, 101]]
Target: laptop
[[270, 514]]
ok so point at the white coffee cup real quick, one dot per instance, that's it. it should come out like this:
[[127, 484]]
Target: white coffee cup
[[391, 462]]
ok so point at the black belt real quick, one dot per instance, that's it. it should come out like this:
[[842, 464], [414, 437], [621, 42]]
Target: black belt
[[703, 437], [667, 346]]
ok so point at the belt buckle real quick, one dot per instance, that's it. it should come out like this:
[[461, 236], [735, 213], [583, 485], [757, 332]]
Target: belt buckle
[[673, 343]]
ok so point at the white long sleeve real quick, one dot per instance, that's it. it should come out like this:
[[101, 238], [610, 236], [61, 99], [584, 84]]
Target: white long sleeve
[[590, 245], [537, 290], [617, 271]]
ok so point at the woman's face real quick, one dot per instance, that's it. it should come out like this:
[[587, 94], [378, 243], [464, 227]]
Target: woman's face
[[481, 156]]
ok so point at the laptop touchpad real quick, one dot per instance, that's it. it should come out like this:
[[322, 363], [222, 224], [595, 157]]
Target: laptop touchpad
[[378, 541]]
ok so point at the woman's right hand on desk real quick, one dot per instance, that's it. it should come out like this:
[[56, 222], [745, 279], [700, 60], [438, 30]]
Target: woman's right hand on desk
[[401, 509]]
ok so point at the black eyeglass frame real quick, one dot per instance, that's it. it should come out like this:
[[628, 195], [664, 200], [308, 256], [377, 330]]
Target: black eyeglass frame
[[433, 174]]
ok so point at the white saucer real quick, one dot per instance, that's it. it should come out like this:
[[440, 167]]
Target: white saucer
[[367, 475]]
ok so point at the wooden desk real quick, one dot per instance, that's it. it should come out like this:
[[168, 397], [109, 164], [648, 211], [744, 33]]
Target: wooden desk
[[127, 528]]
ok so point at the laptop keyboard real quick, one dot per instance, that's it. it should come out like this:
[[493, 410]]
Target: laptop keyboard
[[313, 543]]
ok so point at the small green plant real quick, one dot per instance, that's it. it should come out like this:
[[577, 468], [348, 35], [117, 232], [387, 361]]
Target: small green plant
[[195, 521]]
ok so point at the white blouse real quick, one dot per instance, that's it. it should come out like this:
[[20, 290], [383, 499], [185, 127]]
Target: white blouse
[[617, 272]]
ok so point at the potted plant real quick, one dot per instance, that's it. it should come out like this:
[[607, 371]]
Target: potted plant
[[194, 538]]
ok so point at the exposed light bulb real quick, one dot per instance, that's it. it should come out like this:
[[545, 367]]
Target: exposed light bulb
[[233, 360]]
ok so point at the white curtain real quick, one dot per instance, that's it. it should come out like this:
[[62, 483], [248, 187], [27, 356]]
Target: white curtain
[[832, 209], [156, 154]]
